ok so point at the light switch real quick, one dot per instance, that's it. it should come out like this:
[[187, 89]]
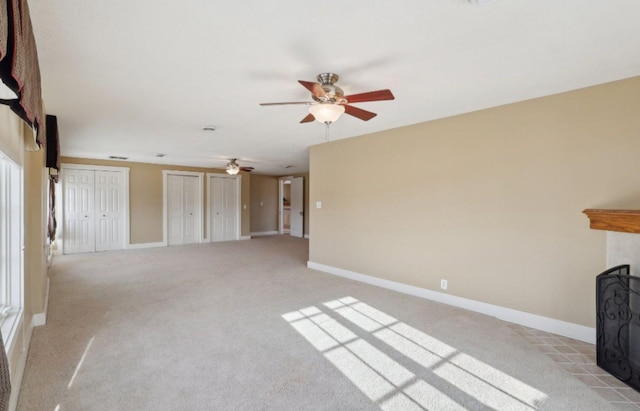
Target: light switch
[[318, 204]]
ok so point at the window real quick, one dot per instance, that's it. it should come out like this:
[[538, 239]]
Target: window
[[11, 261]]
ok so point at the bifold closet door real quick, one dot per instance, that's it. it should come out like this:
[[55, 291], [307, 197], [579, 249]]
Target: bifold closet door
[[225, 208], [182, 209], [94, 210], [79, 228], [109, 210]]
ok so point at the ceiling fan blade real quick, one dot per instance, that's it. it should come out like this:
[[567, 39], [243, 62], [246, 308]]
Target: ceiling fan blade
[[287, 102], [247, 169], [359, 113], [370, 96], [315, 88], [308, 119]]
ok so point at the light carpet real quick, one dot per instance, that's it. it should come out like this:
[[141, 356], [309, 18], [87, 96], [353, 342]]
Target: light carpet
[[246, 326]]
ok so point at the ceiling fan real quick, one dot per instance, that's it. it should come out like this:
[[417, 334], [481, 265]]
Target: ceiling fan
[[234, 168], [330, 102]]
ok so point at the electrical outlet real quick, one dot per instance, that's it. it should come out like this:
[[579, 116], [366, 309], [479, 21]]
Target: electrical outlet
[[443, 284]]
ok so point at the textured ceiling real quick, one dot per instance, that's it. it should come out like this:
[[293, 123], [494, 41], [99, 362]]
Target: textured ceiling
[[136, 78]]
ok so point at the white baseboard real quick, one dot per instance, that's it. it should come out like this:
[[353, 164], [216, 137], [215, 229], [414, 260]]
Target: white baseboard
[[146, 245], [551, 325], [16, 379], [41, 318], [245, 237], [263, 233]]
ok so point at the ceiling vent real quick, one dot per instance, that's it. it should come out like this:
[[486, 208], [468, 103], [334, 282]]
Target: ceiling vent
[[118, 158]]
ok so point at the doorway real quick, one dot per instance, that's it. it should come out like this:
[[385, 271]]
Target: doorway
[[291, 206]]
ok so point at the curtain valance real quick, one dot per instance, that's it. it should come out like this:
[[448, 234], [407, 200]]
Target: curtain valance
[[20, 86]]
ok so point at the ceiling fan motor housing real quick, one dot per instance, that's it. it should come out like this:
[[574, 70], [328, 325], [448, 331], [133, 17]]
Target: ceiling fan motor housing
[[327, 78], [334, 94]]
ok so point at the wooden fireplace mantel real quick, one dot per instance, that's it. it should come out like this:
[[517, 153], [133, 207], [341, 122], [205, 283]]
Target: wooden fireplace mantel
[[626, 221]]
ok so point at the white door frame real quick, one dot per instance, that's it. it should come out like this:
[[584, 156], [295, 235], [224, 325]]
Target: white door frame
[[297, 200], [60, 199], [281, 181], [165, 196], [238, 180]]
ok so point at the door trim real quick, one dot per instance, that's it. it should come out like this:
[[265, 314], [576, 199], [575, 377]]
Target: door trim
[[61, 199], [165, 194], [238, 179], [297, 214], [281, 181]]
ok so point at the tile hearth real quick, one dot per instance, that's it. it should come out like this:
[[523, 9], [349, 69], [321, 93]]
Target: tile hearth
[[579, 358]]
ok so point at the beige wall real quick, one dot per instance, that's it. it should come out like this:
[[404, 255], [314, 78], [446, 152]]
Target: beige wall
[[264, 203], [146, 198], [490, 201], [11, 135], [246, 203], [35, 223], [13, 132]]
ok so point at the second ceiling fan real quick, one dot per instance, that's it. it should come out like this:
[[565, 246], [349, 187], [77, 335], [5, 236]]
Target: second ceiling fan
[[330, 102], [234, 168]]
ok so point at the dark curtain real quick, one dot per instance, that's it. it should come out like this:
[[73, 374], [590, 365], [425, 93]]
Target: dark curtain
[[19, 69], [53, 143], [5, 383], [4, 28], [53, 162], [52, 224]]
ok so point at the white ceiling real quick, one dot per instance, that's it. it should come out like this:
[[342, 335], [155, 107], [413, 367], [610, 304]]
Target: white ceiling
[[136, 78]]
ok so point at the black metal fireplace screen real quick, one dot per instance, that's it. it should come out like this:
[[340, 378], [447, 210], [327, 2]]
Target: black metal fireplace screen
[[618, 324]]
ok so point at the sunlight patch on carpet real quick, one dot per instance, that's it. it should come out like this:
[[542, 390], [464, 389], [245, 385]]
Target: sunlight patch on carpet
[[388, 383], [84, 355]]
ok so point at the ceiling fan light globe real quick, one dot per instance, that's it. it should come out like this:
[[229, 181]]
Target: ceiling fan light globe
[[232, 167], [326, 112]]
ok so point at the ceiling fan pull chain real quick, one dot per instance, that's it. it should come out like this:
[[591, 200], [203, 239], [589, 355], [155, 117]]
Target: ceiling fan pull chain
[[326, 132]]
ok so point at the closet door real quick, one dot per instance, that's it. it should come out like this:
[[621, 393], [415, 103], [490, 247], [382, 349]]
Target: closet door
[[94, 204], [183, 209], [79, 230], [225, 208], [191, 209], [109, 210], [216, 190], [175, 218], [231, 209]]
